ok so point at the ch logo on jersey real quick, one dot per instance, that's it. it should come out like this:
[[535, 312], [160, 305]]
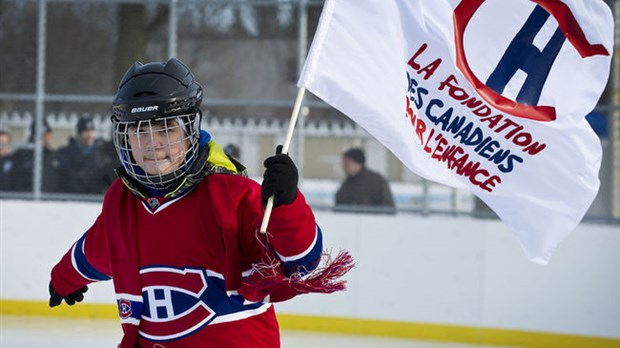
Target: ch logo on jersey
[[172, 302], [523, 55], [124, 309], [129, 308]]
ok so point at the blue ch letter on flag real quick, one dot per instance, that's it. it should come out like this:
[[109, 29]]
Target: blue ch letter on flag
[[522, 54]]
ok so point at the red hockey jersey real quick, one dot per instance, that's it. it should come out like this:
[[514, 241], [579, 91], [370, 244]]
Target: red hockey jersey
[[177, 269]]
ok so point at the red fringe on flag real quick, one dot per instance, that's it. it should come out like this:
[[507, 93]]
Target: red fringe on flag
[[268, 279]]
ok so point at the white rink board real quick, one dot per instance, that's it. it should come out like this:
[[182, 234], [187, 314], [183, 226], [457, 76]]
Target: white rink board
[[436, 269]]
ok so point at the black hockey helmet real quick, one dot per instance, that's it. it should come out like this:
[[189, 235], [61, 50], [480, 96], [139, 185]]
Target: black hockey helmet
[[157, 89]]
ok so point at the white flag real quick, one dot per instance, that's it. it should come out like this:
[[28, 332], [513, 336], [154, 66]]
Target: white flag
[[488, 95]]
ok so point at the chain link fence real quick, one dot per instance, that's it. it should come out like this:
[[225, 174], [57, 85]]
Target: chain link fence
[[62, 60]]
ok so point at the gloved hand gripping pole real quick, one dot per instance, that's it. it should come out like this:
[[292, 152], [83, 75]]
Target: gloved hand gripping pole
[[287, 143]]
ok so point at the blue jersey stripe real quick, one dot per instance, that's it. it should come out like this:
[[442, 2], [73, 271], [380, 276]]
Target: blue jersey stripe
[[83, 266], [309, 261]]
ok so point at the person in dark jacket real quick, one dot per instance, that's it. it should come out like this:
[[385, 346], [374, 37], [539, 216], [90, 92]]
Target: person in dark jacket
[[24, 163], [87, 164], [232, 150], [7, 162], [362, 187]]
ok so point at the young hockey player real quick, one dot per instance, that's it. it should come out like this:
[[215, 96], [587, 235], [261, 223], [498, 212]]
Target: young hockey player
[[178, 231]]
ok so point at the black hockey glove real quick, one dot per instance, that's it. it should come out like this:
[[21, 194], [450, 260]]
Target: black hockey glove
[[280, 179], [71, 299]]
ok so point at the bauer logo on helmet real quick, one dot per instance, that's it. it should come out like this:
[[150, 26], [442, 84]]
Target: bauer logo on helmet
[[144, 109]]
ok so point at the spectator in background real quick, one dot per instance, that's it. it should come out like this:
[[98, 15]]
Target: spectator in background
[[232, 150], [109, 152], [7, 165], [23, 160], [87, 163], [233, 153], [362, 187]]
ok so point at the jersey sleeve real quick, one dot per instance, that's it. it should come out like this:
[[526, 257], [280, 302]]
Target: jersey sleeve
[[295, 236], [84, 263], [292, 230]]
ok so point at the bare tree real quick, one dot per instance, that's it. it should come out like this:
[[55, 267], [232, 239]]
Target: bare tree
[[135, 28]]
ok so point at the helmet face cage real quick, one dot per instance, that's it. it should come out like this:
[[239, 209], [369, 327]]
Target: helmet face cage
[[158, 152]]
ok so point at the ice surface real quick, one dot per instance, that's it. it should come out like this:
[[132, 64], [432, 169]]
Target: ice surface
[[46, 332]]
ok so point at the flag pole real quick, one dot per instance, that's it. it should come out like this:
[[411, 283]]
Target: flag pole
[[285, 146]]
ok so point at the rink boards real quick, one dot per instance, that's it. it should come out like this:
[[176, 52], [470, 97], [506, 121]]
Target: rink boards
[[442, 278]]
